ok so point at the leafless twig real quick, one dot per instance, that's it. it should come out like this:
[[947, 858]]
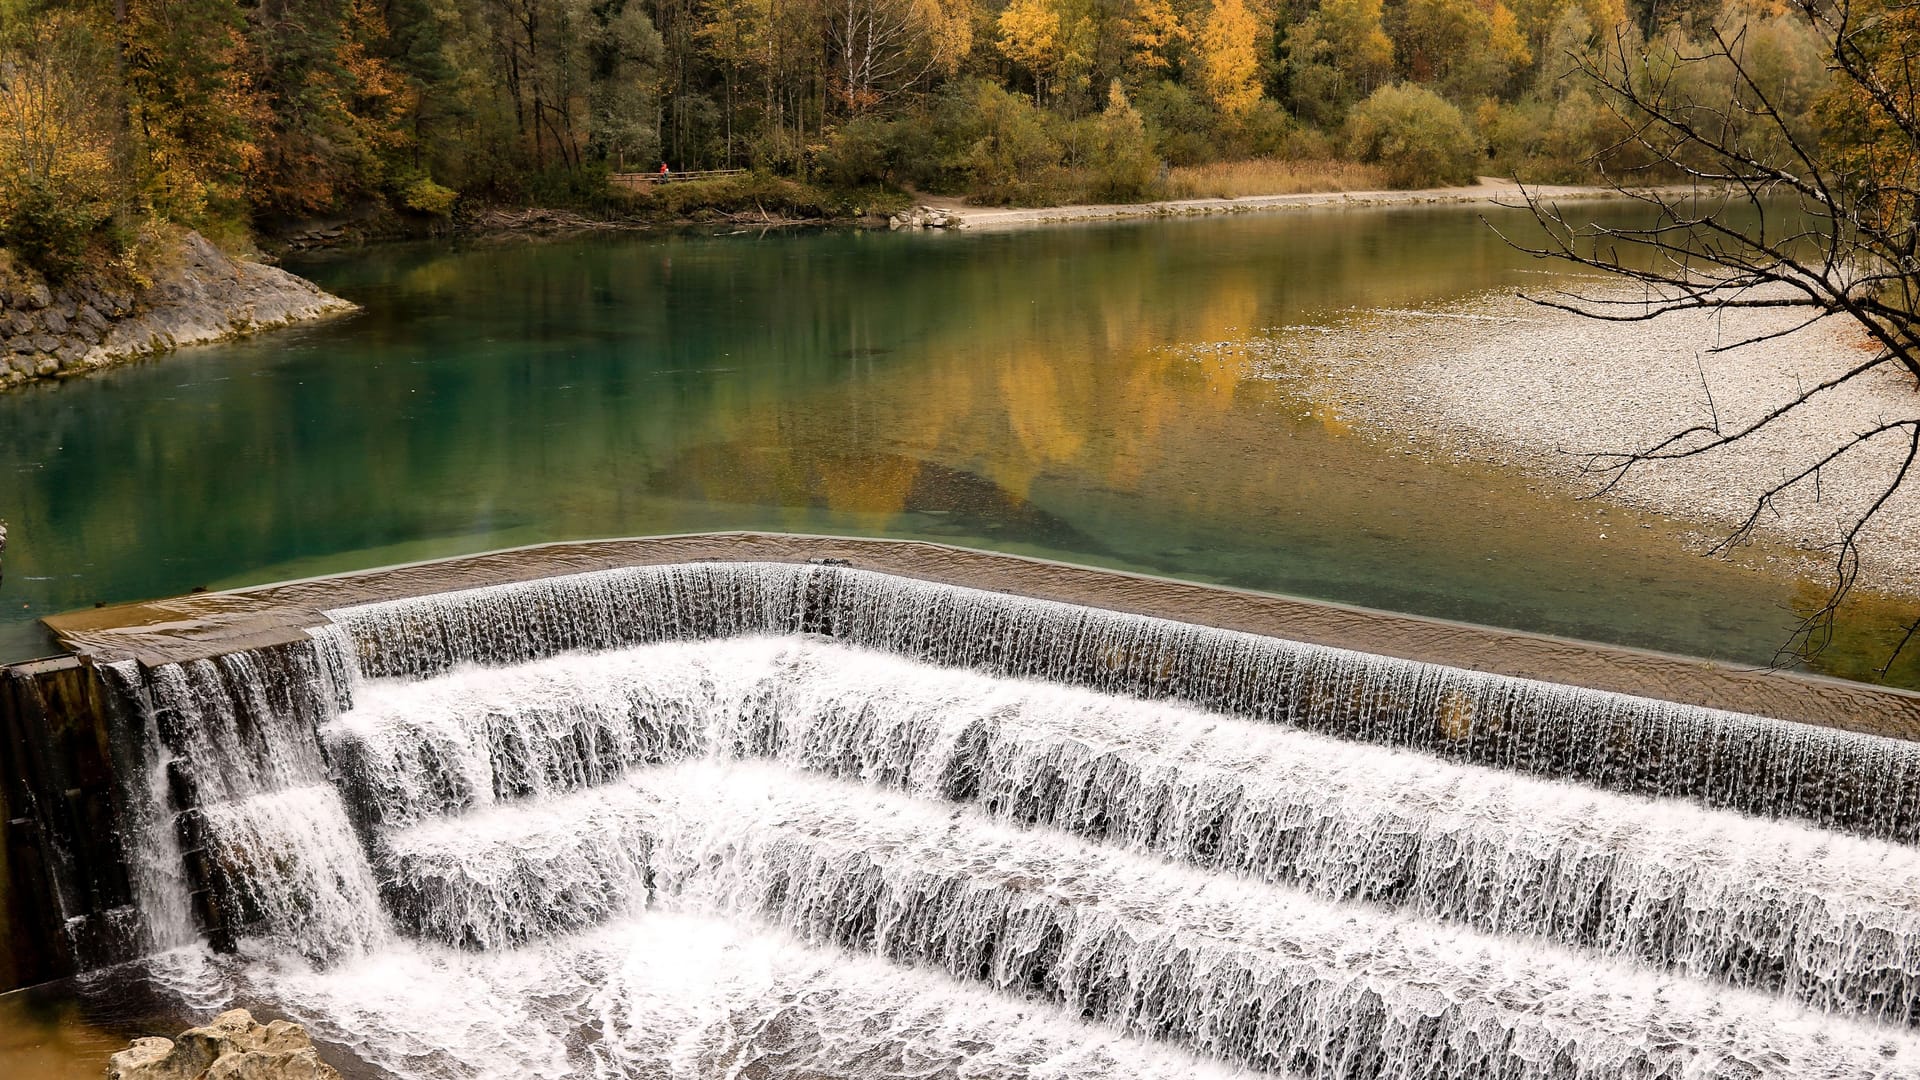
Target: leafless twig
[[1760, 220]]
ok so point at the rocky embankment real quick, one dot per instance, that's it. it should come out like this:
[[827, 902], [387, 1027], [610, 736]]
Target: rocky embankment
[[198, 295], [232, 1047]]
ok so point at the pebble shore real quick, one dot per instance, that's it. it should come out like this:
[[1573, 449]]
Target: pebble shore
[[1498, 378]]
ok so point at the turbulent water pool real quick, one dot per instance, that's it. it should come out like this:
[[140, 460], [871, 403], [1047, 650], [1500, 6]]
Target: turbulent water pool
[[1070, 392]]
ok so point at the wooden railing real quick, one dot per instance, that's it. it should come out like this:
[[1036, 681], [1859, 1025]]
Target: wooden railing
[[635, 181]]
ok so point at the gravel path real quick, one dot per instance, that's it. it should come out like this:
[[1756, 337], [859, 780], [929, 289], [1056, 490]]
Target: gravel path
[[1500, 379]]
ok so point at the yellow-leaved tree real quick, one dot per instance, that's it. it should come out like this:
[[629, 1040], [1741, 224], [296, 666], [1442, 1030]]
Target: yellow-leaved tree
[[1228, 46], [950, 34], [1361, 49], [1054, 45], [1156, 38], [1030, 36]]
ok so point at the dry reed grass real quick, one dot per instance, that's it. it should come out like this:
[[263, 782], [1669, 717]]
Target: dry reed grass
[[1271, 176]]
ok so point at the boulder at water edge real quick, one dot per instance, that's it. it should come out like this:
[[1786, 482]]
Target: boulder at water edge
[[232, 1047], [926, 217]]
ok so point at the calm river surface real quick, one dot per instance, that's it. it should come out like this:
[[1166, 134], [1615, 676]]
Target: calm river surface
[[1035, 392]]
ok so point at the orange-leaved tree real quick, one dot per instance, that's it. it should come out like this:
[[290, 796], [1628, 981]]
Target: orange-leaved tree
[[59, 144]]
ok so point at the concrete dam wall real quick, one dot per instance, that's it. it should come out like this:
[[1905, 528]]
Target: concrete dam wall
[[1202, 820]]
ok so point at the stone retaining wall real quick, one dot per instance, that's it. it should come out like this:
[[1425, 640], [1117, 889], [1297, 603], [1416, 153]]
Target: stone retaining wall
[[199, 295]]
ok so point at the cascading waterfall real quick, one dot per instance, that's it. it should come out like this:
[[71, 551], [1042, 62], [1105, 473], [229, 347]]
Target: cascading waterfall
[[288, 868], [275, 851], [806, 821], [1239, 971], [409, 750], [1832, 920], [685, 997], [157, 867]]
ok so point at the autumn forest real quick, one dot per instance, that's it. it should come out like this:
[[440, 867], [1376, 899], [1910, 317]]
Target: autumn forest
[[239, 116]]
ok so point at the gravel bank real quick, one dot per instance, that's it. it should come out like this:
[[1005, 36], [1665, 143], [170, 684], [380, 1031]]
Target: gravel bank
[[1500, 379], [954, 214]]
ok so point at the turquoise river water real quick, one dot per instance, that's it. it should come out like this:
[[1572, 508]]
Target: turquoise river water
[[1038, 392]]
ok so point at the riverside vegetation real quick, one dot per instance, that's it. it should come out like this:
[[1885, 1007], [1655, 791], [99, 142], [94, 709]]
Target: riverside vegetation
[[122, 119]]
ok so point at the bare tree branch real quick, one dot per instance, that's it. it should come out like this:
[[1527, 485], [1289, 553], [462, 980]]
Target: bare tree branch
[[1808, 234]]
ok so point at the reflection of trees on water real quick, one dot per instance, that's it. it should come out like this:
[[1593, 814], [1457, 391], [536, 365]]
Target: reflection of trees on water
[[879, 493]]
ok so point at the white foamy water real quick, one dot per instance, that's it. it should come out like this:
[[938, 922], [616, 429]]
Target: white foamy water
[[700, 851], [505, 875], [1238, 970], [242, 723], [418, 750], [291, 872], [155, 863], [1828, 918], [690, 998], [1647, 746]]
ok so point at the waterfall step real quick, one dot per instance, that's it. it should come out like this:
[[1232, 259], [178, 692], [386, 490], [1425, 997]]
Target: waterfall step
[[1248, 972], [410, 750], [521, 872], [682, 997], [1644, 746], [288, 870]]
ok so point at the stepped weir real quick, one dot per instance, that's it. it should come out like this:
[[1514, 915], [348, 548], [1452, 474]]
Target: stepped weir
[[609, 810]]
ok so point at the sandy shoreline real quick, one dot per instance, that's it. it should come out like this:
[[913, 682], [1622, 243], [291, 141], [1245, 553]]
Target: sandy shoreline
[[1487, 191], [1499, 379]]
